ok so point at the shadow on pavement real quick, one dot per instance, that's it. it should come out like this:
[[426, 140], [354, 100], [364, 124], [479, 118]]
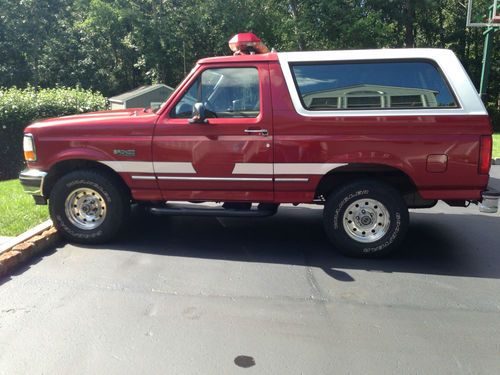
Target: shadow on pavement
[[441, 244], [26, 266]]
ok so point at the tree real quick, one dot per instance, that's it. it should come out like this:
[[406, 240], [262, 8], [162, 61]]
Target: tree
[[116, 45]]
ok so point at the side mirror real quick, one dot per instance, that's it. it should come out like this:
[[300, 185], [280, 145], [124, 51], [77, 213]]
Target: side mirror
[[198, 114]]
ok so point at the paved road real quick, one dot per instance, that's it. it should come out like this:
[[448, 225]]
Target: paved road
[[196, 295]]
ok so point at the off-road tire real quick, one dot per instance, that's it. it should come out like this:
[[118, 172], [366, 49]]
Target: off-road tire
[[108, 189], [347, 239]]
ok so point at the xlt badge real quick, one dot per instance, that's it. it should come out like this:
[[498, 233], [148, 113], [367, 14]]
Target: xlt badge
[[130, 153]]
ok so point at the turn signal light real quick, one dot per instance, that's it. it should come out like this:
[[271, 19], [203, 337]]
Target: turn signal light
[[485, 154], [29, 148], [29, 156]]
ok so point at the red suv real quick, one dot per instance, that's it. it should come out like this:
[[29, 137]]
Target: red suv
[[367, 134]]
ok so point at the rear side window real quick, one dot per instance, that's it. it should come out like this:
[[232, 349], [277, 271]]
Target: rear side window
[[372, 85]]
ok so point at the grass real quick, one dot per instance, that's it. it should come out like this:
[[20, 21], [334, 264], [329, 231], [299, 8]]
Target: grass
[[18, 211], [496, 145]]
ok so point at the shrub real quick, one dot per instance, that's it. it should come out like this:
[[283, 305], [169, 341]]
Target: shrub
[[20, 107], [495, 117]]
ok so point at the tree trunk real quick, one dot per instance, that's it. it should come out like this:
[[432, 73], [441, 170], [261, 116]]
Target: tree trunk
[[409, 9], [294, 12], [441, 18]]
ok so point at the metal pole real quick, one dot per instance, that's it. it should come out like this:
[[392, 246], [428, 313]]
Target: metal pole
[[485, 73], [488, 45]]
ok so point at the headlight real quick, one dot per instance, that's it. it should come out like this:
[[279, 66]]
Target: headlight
[[29, 148]]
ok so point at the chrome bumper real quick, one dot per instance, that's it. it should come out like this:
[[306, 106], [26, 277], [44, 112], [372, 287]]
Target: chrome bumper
[[489, 203], [32, 181]]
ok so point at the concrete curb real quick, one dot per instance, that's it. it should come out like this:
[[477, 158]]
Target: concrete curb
[[18, 250], [495, 161]]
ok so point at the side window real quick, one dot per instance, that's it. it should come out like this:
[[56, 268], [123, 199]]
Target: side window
[[225, 92], [184, 107], [372, 85]]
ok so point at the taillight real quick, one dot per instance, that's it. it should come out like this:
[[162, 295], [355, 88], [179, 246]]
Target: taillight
[[485, 154]]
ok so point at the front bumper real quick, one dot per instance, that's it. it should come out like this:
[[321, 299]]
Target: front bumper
[[489, 203], [32, 182]]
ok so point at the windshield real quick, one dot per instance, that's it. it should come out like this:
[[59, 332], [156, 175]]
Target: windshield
[[181, 83]]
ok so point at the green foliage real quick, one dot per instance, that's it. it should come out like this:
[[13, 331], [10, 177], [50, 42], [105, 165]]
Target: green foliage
[[496, 146], [116, 45], [20, 107], [494, 112], [17, 211]]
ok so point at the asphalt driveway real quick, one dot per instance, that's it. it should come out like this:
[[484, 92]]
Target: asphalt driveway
[[262, 296]]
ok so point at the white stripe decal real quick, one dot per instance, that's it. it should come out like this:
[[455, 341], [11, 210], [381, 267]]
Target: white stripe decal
[[305, 168], [143, 178], [253, 168], [285, 168], [242, 179], [239, 168], [291, 180], [130, 166], [173, 167]]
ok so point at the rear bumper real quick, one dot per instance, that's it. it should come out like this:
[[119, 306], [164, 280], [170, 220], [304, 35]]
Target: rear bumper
[[32, 182], [489, 204]]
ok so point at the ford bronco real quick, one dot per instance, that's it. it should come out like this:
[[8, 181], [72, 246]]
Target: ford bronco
[[365, 133]]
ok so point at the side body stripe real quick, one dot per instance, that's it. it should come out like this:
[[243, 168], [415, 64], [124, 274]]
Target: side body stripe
[[263, 169]]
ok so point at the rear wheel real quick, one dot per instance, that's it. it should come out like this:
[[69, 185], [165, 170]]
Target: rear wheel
[[88, 206], [366, 219]]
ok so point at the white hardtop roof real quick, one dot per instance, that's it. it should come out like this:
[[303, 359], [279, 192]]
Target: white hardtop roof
[[462, 87], [366, 54]]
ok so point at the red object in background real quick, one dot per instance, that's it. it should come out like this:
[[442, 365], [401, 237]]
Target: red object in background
[[246, 43]]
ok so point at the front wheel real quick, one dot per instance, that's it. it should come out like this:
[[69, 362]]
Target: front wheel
[[366, 219], [88, 206]]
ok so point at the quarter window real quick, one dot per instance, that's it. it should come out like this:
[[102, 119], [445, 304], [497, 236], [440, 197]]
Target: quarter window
[[372, 85], [407, 101], [324, 102], [225, 92]]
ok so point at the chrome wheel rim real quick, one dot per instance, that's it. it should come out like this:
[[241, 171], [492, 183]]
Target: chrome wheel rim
[[85, 208], [366, 220]]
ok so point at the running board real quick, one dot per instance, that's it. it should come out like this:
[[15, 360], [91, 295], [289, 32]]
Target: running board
[[185, 210]]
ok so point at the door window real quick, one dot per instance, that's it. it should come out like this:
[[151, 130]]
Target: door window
[[225, 92]]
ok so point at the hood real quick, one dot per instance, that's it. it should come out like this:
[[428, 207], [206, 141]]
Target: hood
[[120, 116], [101, 115]]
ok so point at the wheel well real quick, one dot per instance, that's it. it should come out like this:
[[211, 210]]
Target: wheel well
[[341, 176], [60, 169]]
